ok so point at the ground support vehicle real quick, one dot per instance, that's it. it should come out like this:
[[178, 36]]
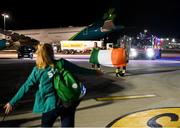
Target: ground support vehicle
[[25, 51], [78, 46], [144, 49]]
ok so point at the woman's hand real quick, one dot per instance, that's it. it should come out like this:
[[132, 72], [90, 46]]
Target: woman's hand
[[8, 108]]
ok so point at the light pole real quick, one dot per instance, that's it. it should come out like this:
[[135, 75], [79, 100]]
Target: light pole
[[5, 16]]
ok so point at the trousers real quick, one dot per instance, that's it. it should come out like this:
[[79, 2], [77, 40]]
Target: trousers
[[67, 116]]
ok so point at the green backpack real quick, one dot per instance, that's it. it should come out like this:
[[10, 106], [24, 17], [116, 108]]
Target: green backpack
[[68, 87]]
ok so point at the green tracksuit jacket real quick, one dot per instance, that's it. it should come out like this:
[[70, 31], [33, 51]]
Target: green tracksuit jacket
[[45, 95]]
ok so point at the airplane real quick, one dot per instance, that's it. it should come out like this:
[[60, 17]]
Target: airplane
[[95, 31]]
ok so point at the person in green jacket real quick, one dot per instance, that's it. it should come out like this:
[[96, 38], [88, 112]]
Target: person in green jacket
[[46, 99], [96, 65]]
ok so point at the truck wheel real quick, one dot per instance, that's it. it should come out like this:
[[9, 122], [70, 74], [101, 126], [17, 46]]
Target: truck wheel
[[65, 52], [72, 52]]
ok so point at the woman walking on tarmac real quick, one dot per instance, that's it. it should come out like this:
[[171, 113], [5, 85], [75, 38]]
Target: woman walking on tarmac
[[46, 99]]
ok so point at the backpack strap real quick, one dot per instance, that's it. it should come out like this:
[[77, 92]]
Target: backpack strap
[[58, 65]]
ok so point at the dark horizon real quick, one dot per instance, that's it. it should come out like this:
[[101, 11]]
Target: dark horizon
[[159, 17]]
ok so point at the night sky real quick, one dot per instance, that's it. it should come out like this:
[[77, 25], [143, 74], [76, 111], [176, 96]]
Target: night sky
[[161, 17]]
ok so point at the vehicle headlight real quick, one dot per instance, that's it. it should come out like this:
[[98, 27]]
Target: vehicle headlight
[[150, 52], [133, 52]]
